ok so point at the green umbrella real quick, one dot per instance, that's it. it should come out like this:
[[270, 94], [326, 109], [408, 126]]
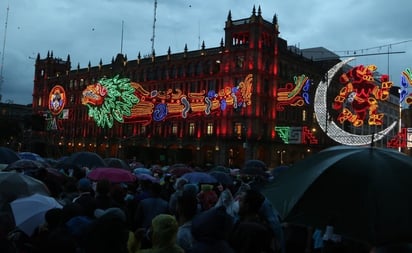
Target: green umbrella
[[364, 192]]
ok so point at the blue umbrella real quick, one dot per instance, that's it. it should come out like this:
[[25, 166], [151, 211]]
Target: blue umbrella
[[199, 178], [31, 156], [138, 171], [147, 177], [222, 177]]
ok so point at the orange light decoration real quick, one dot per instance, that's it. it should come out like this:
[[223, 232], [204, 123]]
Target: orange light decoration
[[126, 102], [293, 94]]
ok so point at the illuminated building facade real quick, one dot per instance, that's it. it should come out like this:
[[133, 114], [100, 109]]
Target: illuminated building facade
[[249, 98]]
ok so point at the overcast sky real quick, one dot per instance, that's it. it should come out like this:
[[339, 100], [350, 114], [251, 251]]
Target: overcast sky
[[90, 30]]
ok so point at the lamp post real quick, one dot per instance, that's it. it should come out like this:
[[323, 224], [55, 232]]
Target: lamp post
[[245, 143], [281, 154]]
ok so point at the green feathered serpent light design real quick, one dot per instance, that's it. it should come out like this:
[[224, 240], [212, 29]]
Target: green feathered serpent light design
[[110, 99]]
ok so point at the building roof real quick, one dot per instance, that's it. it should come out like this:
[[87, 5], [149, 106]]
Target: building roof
[[319, 54]]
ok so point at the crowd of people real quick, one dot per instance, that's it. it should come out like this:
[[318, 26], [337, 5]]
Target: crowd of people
[[170, 215]]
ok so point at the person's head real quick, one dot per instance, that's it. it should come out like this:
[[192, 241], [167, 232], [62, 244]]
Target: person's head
[[250, 202], [84, 185], [179, 184], [103, 187], [164, 230], [187, 205], [54, 217], [111, 213], [156, 190]]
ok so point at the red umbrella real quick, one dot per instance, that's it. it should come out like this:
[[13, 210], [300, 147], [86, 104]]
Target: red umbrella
[[114, 175]]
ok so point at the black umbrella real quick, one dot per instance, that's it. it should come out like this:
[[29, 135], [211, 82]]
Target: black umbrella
[[114, 162], [7, 155], [222, 177], [83, 159], [221, 168], [254, 167], [365, 191], [16, 185], [25, 165]]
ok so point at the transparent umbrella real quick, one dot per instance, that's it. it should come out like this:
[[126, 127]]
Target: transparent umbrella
[[29, 212]]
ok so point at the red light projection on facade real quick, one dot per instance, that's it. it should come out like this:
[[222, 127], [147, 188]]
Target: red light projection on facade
[[294, 94], [57, 100], [118, 99], [358, 99], [400, 140]]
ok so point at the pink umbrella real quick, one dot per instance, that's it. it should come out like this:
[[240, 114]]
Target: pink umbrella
[[114, 175]]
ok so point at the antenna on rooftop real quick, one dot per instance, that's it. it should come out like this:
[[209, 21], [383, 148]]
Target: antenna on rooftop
[[198, 37], [154, 26], [121, 40], [2, 53]]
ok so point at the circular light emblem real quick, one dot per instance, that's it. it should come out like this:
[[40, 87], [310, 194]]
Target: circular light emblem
[[57, 100]]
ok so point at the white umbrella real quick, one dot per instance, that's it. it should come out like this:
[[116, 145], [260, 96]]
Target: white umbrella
[[29, 212]]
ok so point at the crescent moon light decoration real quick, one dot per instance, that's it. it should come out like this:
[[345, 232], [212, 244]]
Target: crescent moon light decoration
[[330, 127]]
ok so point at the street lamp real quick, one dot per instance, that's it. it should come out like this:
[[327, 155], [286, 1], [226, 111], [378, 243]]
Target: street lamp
[[281, 153]]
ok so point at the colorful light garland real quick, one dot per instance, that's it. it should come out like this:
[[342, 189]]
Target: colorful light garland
[[118, 99]]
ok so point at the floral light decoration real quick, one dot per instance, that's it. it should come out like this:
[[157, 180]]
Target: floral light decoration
[[118, 99], [358, 99]]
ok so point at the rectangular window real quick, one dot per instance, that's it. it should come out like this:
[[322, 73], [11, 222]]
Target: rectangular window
[[211, 85], [209, 128], [128, 131], [191, 129], [238, 129], [194, 87], [142, 130], [174, 129], [158, 130]]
